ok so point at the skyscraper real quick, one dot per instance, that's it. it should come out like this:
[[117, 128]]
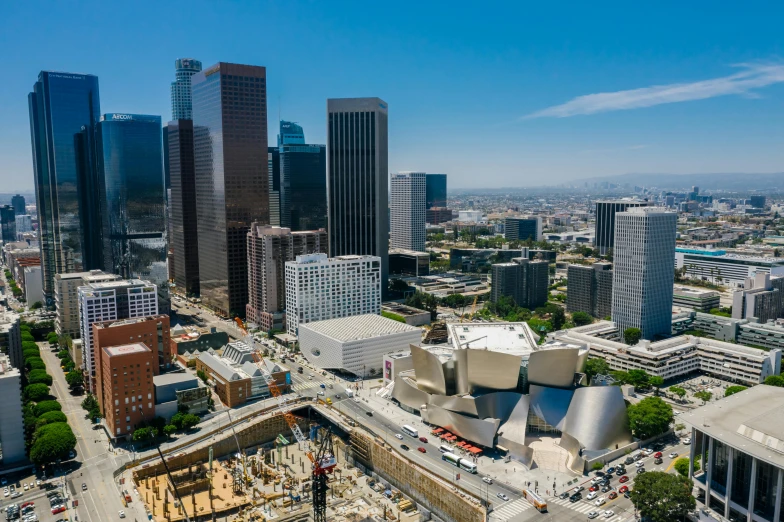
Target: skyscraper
[[130, 163], [605, 220], [358, 178], [290, 134], [407, 211], [523, 280], [303, 184], [184, 238], [643, 273], [18, 202], [232, 183], [64, 109], [181, 92], [7, 224], [273, 168], [523, 228], [590, 289], [436, 190]]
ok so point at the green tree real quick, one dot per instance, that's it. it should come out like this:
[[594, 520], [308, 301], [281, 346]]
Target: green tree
[[144, 434], [90, 405], [74, 378], [620, 377], [53, 416], [649, 418], [27, 337], [52, 442], [558, 318], [30, 345], [63, 354], [201, 374], [39, 377], [732, 390], [35, 392], [661, 497], [597, 466], [596, 366], [51, 338], [581, 318], [775, 380], [657, 383], [704, 396], [27, 354], [677, 390], [189, 420], [35, 363], [632, 336], [398, 285], [45, 406], [169, 430]]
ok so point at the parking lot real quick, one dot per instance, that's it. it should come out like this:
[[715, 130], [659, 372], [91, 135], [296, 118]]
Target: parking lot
[[27, 498]]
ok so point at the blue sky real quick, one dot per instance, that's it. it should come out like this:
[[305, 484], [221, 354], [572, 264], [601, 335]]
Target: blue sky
[[494, 94]]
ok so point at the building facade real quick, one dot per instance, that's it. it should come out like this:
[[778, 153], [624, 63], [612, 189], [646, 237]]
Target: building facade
[[523, 280], [438, 215], [18, 202], [181, 91], [11, 338], [269, 248], [24, 223], [523, 228], [409, 263], [642, 276], [184, 238], [302, 182], [64, 110], [590, 289], [320, 288], [358, 179], [125, 392], [435, 191], [761, 297], [696, 299], [152, 331], [407, 211], [66, 299], [719, 267], [7, 224], [232, 183], [12, 435], [605, 221], [273, 167]]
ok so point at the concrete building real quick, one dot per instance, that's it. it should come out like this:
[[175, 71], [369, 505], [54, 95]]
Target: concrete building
[[152, 331], [11, 337], [642, 275], [33, 285], [695, 298], [125, 391], [24, 223], [410, 315], [738, 442], [7, 224], [761, 296], [190, 339], [469, 216], [358, 179], [320, 288], [589, 289], [523, 228], [12, 437], [176, 390], [524, 280], [66, 299], [269, 248], [409, 263], [719, 267], [407, 211], [110, 301], [355, 344], [605, 221]]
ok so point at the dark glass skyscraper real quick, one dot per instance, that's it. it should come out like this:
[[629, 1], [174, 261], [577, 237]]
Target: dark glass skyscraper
[[18, 202], [64, 109], [184, 238], [130, 162], [273, 169], [435, 187], [302, 180], [358, 179], [605, 221], [7, 223], [232, 183]]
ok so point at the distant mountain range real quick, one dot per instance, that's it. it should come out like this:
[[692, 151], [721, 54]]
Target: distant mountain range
[[737, 181]]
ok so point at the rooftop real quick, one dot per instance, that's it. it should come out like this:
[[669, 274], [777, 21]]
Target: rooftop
[[172, 378], [358, 327], [126, 349], [693, 292], [509, 338]]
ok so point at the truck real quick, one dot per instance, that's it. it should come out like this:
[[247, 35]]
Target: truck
[[349, 392]]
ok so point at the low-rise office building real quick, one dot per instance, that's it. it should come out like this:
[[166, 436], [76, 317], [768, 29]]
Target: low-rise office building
[[761, 297], [717, 266], [12, 440], [174, 391], [694, 298], [408, 262], [410, 315]]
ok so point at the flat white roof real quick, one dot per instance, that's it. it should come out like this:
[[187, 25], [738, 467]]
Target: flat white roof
[[358, 327], [126, 349], [510, 338]]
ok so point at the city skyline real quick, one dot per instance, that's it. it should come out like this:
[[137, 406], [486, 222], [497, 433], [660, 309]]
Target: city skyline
[[567, 102]]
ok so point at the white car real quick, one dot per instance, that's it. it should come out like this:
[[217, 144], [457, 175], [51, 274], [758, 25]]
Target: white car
[[502, 496], [487, 480], [591, 495], [26, 487], [596, 480], [592, 515], [398, 436], [648, 452], [122, 514], [639, 463], [6, 492], [600, 501], [687, 441], [673, 455], [609, 513]]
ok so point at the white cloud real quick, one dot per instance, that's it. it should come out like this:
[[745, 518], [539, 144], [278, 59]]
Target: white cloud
[[752, 76]]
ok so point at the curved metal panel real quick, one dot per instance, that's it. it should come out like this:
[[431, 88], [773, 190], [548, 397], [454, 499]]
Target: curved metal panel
[[550, 404], [429, 371], [475, 430], [597, 418], [582, 356], [460, 363], [407, 393], [491, 370], [464, 405], [514, 424], [499, 405], [553, 367]]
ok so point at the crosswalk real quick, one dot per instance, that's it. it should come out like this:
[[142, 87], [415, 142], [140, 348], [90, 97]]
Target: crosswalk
[[509, 510], [583, 506], [307, 385]]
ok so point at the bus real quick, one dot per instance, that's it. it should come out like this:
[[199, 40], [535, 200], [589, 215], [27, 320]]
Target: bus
[[537, 501], [408, 430], [451, 458], [459, 462], [443, 448], [468, 466]]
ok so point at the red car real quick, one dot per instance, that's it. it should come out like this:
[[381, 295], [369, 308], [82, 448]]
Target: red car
[[58, 510], [612, 495], [594, 488], [657, 455], [623, 479], [420, 449], [26, 504], [623, 489], [423, 439]]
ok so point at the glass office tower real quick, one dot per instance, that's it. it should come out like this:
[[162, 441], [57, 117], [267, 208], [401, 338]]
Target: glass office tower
[[7, 223], [64, 109], [181, 88], [303, 182], [130, 160], [435, 190], [232, 183]]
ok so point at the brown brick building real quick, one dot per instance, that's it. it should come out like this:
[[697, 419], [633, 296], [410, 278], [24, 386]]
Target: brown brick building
[[125, 390]]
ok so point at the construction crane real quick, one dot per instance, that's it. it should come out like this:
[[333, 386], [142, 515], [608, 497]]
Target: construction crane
[[325, 464], [322, 465], [473, 309]]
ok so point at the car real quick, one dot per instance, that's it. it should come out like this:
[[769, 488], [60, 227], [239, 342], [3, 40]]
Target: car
[[596, 480], [639, 456], [606, 488], [592, 495], [574, 498], [320, 393], [610, 470], [32, 484], [38, 483], [613, 495], [623, 479], [398, 436], [26, 487], [27, 504], [599, 473], [639, 463], [404, 447], [620, 472], [72, 454], [647, 452], [578, 489], [592, 515], [629, 460], [84, 486], [502, 497], [608, 513], [676, 412], [420, 449], [673, 455], [623, 489], [337, 396], [323, 386], [687, 441], [369, 413], [593, 488], [122, 514], [626, 495], [488, 480], [16, 494], [641, 470], [61, 508], [657, 461], [657, 455], [423, 439], [310, 377], [563, 496], [600, 501]]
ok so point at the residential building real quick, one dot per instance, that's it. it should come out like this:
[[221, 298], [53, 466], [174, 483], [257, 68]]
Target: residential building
[[590, 289], [183, 224], [320, 288], [7, 224], [407, 211], [110, 301], [438, 215], [232, 183], [435, 191], [64, 110], [18, 202], [738, 442], [181, 90], [719, 267], [11, 338], [605, 221], [358, 180], [302, 183], [125, 391], [24, 223], [523, 228], [761, 297], [523, 280], [12, 436], [355, 344], [269, 248], [642, 275], [66, 299], [190, 339], [130, 162], [695, 298], [153, 331], [408, 262]]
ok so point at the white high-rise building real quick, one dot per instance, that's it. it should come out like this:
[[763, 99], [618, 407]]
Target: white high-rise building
[[181, 90], [12, 440], [110, 301], [319, 288], [643, 273], [407, 211], [66, 298]]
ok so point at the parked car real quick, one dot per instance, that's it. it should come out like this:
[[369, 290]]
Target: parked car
[[606, 488], [687, 441], [593, 488], [59, 509], [629, 460], [623, 479], [623, 489], [610, 470], [578, 489]]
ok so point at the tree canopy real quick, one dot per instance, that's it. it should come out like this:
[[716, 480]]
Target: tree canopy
[[678, 390], [657, 382], [74, 378], [632, 336], [775, 380], [53, 416], [39, 376], [44, 406], [732, 390], [90, 404], [704, 396], [35, 392], [52, 442], [596, 366], [649, 418], [662, 497], [581, 318], [558, 318]]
